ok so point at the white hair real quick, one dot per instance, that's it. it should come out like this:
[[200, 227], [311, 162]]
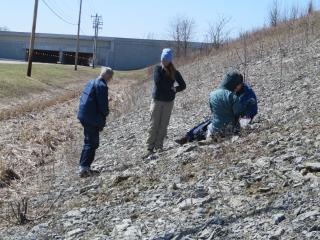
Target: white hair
[[106, 72]]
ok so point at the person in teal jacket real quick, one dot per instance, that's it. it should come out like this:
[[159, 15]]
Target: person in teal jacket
[[226, 106], [199, 132]]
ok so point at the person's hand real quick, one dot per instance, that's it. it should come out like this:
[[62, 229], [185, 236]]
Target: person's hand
[[251, 101], [104, 124], [110, 99], [174, 89]]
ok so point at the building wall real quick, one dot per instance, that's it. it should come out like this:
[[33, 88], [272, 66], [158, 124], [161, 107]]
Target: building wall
[[136, 54], [117, 53]]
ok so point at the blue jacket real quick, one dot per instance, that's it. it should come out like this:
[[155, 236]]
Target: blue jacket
[[162, 85], [94, 108], [225, 105], [245, 94]]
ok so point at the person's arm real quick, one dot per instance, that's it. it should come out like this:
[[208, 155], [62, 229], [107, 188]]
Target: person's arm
[[249, 93], [182, 85], [158, 81], [254, 108], [238, 108], [102, 99]]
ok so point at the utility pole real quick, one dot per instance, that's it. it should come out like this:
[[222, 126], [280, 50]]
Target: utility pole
[[96, 25], [32, 38], [77, 45]]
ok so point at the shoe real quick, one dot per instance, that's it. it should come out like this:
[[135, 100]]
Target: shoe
[[159, 150], [182, 140], [94, 172], [208, 141], [89, 173], [147, 153], [84, 174]]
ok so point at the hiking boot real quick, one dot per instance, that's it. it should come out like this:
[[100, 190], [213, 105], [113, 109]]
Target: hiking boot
[[89, 173], [147, 153], [182, 140], [94, 172], [84, 174], [208, 141], [159, 150]]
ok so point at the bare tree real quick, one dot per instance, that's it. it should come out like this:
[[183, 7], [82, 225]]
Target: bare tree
[[274, 13], [4, 28], [308, 23], [181, 30], [310, 7], [245, 57], [291, 24], [282, 54], [285, 14], [217, 33], [294, 12]]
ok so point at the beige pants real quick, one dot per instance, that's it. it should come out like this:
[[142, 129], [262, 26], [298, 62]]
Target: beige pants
[[160, 113]]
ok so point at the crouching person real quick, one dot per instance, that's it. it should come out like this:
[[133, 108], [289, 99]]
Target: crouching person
[[226, 108], [93, 110], [200, 132]]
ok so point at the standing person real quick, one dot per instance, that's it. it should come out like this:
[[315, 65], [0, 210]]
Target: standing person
[[199, 132], [93, 110], [163, 94]]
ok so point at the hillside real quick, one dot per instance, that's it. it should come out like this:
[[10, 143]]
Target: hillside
[[263, 185]]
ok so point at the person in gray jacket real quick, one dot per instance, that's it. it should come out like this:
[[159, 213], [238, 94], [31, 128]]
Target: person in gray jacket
[[93, 110]]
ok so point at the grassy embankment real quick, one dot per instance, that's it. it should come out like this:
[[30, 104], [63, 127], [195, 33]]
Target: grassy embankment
[[49, 84]]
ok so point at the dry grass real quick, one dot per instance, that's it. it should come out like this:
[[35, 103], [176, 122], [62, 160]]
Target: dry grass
[[50, 84], [5, 114], [45, 77], [36, 133], [49, 141]]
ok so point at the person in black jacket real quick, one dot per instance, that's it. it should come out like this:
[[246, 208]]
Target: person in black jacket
[[163, 94], [93, 110]]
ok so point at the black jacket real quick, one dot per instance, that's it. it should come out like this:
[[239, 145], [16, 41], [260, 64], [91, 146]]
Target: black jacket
[[162, 85]]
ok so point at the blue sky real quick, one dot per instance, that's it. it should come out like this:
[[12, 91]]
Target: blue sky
[[139, 18]]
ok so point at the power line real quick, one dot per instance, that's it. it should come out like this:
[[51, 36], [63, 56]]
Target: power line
[[69, 6], [83, 32], [92, 8], [59, 10], [85, 12], [85, 26], [58, 15], [86, 23]]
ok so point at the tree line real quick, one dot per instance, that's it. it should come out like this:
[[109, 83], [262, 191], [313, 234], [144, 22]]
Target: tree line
[[182, 29]]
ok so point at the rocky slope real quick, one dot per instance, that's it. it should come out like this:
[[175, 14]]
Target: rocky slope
[[263, 185]]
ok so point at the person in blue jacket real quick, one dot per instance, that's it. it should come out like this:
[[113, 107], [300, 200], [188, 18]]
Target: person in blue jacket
[[93, 110], [164, 91], [244, 92]]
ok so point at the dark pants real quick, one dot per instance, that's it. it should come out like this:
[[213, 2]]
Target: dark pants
[[199, 131], [91, 143]]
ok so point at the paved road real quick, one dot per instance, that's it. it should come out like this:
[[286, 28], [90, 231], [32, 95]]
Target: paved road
[[11, 61]]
